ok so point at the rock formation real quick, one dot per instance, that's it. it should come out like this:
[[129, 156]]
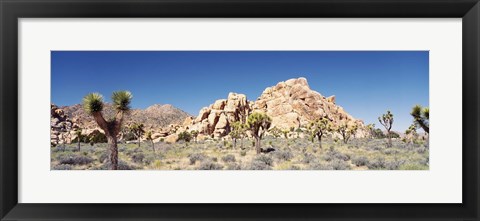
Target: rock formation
[[290, 104], [216, 119], [60, 126], [293, 104]]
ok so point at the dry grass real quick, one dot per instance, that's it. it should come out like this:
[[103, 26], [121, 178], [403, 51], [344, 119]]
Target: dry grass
[[291, 154]]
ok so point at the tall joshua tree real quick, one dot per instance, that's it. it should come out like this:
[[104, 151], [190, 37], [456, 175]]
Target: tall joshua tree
[[387, 121], [93, 105], [421, 117], [138, 131], [320, 127], [258, 123]]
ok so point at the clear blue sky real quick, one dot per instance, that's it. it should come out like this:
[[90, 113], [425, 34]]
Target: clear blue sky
[[366, 83]]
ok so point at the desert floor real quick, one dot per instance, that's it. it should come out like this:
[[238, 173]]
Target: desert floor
[[289, 154]]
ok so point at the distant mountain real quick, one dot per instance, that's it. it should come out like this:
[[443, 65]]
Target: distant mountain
[[154, 116]]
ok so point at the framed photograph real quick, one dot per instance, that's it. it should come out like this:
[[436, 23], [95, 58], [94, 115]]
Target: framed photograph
[[255, 110]]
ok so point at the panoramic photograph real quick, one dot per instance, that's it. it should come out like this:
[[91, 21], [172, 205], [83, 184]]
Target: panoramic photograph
[[239, 110]]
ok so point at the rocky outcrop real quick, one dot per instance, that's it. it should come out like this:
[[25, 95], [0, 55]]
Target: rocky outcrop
[[293, 104], [216, 119], [61, 126]]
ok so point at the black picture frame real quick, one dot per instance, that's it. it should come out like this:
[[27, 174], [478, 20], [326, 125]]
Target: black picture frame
[[12, 10]]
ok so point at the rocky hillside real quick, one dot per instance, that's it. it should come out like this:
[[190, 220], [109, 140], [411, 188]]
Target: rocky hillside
[[290, 104], [152, 117]]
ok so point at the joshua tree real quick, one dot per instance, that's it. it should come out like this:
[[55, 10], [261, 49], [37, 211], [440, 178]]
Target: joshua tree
[[421, 117], [387, 121], [285, 133], [258, 124], [412, 132], [93, 105], [371, 130], [275, 132], [194, 135], [238, 132], [149, 137], [78, 133], [345, 131], [320, 127], [138, 131]]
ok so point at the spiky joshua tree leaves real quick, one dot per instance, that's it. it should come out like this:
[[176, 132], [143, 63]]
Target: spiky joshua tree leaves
[[387, 121], [421, 117], [258, 123], [319, 128], [93, 104]]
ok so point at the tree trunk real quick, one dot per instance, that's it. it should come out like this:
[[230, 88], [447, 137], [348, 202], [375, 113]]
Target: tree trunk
[[138, 141], [78, 144], [234, 143], [112, 141], [241, 143], [257, 145], [389, 139], [153, 146], [320, 142]]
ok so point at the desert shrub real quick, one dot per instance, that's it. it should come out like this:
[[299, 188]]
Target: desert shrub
[[258, 165], [129, 136], [389, 151], [185, 136], [103, 158], [228, 158], [413, 166], [74, 159], [208, 165], [421, 150], [338, 164], [58, 149], [243, 153], [425, 161], [157, 164], [360, 161], [196, 157], [264, 159], [62, 167], [320, 166], [283, 155], [393, 165], [331, 155], [122, 165], [214, 159], [293, 167], [138, 157], [233, 166], [377, 163], [98, 138], [308, 158]]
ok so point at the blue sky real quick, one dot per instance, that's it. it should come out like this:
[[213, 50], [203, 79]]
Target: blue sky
[[365, 83]]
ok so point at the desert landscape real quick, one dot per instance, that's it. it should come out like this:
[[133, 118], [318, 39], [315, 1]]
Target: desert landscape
[[290, 126]]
